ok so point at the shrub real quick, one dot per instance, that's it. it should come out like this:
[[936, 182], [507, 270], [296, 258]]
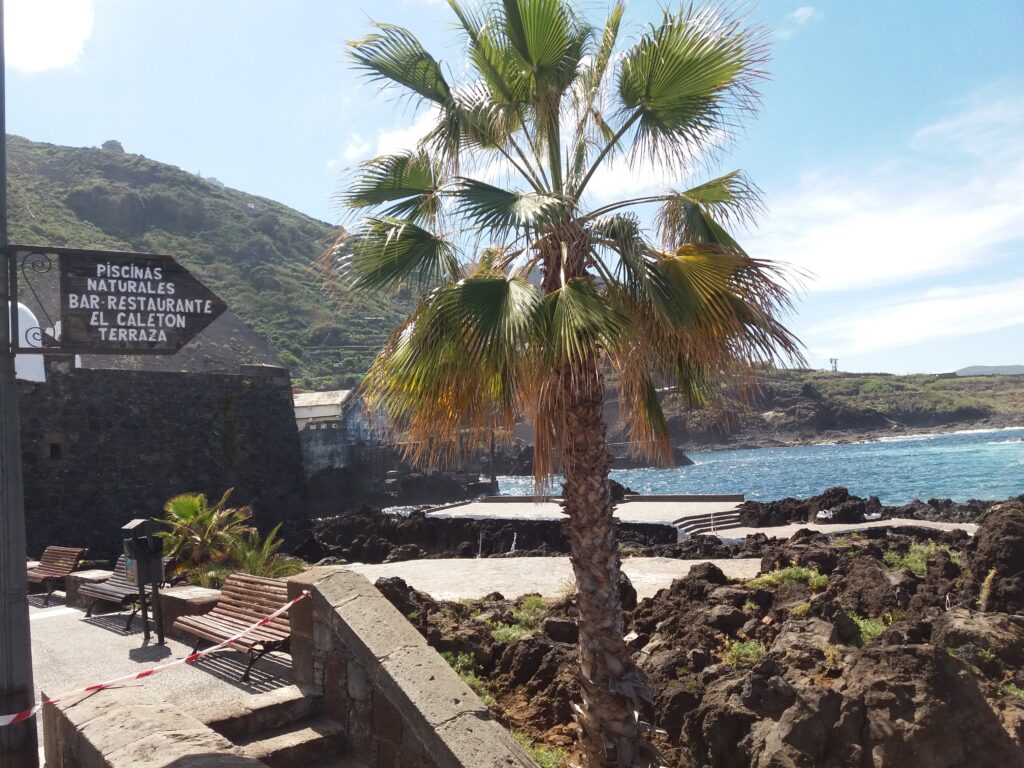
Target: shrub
[[466, 667], [545, 757], [200, 535], [799, 611], [915, 560], [869, 628], [525, 618], [259, 557], [1010, 689], [793, 574], [743, 653]]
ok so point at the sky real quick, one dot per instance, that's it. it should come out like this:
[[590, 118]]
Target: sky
[[889, 145]]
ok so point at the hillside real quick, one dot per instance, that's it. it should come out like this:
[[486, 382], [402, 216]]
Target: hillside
[[991, 370], [808, 406], [255, 253]]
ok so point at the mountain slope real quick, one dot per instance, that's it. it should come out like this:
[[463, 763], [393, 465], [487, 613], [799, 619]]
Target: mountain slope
[[255, 253]]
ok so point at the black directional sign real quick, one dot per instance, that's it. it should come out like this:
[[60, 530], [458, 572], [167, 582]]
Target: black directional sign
[[129, 303]]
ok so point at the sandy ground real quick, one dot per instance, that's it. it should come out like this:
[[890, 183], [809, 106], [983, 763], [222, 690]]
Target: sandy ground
[[550, 576]]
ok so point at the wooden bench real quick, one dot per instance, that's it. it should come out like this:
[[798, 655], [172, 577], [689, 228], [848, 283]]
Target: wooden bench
[[244, 600], [55, 564], [118, 590]]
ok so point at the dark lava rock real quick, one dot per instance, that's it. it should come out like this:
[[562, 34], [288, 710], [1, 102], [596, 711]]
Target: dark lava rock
[[561, 630], [911, 706], [627, 593], [541, 673], [862, 584], [998, 548], [404, 552]]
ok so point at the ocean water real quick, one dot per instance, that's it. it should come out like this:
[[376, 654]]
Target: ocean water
[[973, 464]]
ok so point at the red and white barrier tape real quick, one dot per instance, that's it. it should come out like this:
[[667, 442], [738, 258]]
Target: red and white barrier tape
[[26, 714]]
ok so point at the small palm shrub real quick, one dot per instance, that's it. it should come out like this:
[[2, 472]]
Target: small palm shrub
[[199, 534], [212, 542], [259, 557]]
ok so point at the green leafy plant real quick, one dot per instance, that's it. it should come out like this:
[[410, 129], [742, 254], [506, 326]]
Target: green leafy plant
[[743, 653], [466, 666], [916, 558], [545, 757], [1011, 689], [525, 619], [258, 556], [789, 576], [199, 534], [799, 611], [869, 628]]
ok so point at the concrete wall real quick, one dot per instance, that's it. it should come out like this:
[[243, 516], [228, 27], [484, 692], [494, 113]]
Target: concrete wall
[[100, 447], [402, 706], [129, 728]]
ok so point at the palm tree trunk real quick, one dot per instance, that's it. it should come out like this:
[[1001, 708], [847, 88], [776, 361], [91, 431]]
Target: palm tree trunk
[[608, 678]]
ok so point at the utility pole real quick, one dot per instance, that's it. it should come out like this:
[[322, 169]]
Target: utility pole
[[18, 746]]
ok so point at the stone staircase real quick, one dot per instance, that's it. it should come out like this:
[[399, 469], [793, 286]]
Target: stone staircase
[[709, 523], [283, 728]]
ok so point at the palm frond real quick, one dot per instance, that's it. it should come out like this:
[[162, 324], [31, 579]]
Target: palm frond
[[394, 56], [409, 181], [687, 80], [388, 251], [580, 323], [694, 216], [499, 210]]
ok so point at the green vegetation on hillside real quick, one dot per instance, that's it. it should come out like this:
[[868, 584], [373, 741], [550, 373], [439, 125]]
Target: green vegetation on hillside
[[255, 253]]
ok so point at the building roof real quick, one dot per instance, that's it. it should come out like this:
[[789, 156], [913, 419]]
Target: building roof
[[312, 399]]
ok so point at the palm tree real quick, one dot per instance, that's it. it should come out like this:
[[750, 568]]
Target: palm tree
[[259, 557], [533, 292], [202, 535]]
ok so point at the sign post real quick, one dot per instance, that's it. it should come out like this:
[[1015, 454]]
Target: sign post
[[18, 747]]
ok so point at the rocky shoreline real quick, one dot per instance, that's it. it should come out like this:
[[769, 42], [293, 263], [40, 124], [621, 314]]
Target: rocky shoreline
[[882, 649], [369, 535]]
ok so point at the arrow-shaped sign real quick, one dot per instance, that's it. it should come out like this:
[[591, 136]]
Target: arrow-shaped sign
[[127, 303]]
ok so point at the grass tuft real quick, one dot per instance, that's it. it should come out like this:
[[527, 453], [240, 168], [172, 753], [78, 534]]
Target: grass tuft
[[743, 653], [545, 757], [466, 667], [869, 628], [916, 558], [525, 619], [793, 574]]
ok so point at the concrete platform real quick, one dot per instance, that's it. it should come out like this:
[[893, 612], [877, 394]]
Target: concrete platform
[[70, 651], [666, 510], [457, 579]]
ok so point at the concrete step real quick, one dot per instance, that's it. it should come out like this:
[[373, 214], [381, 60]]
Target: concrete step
[[298, 744], [708, 523], [260, 713]]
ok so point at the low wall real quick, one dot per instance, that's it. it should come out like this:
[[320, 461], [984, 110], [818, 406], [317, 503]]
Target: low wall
[[402, 706], [127, 728]]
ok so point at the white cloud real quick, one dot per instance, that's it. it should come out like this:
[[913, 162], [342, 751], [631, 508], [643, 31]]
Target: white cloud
[[43, 35], [804, 15], [953, 201], [945, 312], [797, 20], [405, 139]]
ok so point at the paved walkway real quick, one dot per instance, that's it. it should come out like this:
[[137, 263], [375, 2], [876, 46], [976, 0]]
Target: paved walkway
[[457, 579], [70, 651]]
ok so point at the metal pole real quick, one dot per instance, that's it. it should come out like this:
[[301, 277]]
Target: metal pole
[[18, 745]]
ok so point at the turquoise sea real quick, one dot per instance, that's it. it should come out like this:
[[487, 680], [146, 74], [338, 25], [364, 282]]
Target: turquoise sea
[[974, 464]]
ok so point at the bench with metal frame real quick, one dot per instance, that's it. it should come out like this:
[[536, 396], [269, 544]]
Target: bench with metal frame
[[118, 590], [54, 566], [244, 600]]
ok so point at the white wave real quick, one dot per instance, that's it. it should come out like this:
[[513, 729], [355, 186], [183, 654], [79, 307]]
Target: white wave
[[936, 435]]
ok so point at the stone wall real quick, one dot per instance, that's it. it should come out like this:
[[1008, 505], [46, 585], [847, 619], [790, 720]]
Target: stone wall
[[100, 447], [401, 704]]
